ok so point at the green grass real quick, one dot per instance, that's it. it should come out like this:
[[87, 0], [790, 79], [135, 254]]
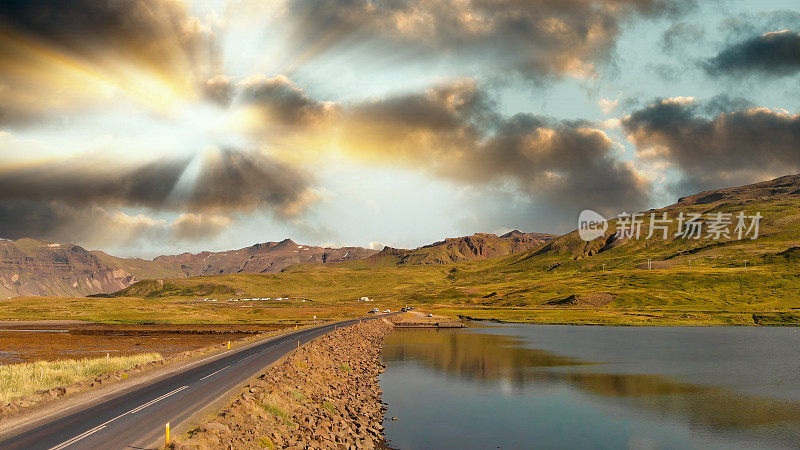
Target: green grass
[[297, 395], [26, 378], [702, 295], [266, 442], [329, 406], [279, 413]]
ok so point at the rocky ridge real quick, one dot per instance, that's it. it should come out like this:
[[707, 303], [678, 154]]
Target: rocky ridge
[[324, 395], [29, 267], [267, 257], [465, 248], [34, 268]]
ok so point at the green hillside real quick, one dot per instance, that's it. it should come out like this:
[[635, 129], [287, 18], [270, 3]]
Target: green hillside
[[690, 281]]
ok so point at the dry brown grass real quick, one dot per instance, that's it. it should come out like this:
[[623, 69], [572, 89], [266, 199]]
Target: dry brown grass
[[23, 379]]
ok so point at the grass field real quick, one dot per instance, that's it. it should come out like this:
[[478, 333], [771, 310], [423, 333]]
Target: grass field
[[606, 281], [703, 295], [26, 378]]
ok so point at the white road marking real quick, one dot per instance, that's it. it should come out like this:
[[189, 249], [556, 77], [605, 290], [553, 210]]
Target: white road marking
[[213, 373], [135, 410], [151, 402], [103, 425], [77, 438]]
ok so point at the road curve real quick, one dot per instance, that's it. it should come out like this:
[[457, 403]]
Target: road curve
[[136, 418]]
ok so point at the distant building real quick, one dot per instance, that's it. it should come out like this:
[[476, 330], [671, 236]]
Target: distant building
[[365, 299]]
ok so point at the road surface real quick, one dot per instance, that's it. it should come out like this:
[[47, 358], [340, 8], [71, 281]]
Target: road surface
[[136, 419]]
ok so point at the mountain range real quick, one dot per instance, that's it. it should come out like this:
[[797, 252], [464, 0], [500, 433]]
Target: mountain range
[[466, 248], [30, 267]]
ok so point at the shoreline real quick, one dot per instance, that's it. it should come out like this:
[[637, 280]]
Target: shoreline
[[627, 318], [324, 394], [627, 325]]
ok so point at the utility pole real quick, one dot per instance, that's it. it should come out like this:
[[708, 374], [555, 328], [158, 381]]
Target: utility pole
[[745, 266], [649, 264]]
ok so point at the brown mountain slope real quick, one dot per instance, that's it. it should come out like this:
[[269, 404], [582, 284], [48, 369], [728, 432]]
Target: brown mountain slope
[[269, 257], [466, 248], [140, 268], [31, 267]]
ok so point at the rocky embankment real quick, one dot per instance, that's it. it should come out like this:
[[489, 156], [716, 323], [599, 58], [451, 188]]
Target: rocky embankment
[[324, 395]]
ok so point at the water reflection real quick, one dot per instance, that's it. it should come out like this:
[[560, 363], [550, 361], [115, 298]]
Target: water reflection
[[501, 361]]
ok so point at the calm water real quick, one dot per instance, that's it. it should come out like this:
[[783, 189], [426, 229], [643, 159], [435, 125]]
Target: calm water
[[533, 386]]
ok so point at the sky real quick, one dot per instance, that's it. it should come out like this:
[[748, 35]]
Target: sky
[[147, 127]]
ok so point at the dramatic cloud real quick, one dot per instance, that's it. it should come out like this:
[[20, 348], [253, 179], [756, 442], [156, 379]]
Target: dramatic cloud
[[240, 181], [717, 144], [77, 199], [531, 37], [96, 226], [77, 180], [155, 33], [775, 54], [91, 225], [423, 126], [219, 89], [224, 180], [455, 132], [281, 102], [59, 57], [194, 227]]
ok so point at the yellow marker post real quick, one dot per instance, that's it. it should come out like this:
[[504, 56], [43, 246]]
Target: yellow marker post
[[166, 438], [298, 344], [229, 345]]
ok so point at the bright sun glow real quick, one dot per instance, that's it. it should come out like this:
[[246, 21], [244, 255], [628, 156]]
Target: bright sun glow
[[202, 125]]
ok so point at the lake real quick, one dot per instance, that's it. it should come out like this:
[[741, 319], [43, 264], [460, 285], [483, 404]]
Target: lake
[[537, 386]]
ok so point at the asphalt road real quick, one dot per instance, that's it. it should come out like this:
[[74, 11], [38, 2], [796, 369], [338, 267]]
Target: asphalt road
[[136, 419]]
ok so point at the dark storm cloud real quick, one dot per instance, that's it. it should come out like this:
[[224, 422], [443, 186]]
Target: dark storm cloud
[[283, 102], [570, 163], [196, 227], [774, 54], [155, 32], [91, 180], [225, 181], [455, 132], [721, 143], [456, 109], [242, 181], [219, 89], [20, 219], [57, 56], [99, 226], [59, 222], [531, 37], [76, 201]]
